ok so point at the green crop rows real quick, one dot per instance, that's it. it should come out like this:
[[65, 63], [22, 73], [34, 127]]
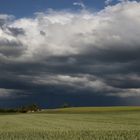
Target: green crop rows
[[117, 125]]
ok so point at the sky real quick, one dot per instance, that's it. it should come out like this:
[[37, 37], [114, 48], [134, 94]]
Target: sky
[[84, 53], [27, 8]]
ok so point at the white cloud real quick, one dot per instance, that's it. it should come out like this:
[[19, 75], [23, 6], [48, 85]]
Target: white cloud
[[107, 2], [81, 4], [67, 33]]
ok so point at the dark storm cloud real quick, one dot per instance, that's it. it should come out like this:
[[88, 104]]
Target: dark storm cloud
[[16, 31], [67, 55], [10, 48], [42, 33]]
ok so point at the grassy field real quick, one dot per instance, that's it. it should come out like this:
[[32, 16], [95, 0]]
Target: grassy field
[[113, 123], [93, 109]]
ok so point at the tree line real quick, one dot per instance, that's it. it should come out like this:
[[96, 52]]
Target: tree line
[[22, 109], [28, 108]]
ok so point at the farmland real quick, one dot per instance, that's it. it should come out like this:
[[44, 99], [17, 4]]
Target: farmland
[[114, 123]]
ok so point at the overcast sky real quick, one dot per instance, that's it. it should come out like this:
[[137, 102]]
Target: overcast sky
[[81, 52]]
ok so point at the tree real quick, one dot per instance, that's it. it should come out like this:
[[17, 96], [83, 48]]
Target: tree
[[32, 108], [65, 105]]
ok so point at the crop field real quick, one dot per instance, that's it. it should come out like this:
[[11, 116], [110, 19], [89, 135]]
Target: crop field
[[114, 123]]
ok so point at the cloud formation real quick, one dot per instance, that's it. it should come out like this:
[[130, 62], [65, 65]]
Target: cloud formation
[[81, 4], [97, 52], [107, 2]]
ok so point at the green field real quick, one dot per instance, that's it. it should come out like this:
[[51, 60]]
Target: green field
[[113, 123]]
